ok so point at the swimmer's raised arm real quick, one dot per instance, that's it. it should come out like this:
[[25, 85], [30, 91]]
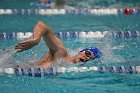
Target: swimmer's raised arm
[[40, 30]]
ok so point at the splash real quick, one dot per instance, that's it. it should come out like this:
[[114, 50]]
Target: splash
[[5, 57], [107, 50]]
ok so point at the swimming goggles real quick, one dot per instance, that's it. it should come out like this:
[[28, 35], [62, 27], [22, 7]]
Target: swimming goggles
[[89, 54]]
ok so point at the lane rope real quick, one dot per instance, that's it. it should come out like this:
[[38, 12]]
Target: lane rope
[[85, 11], [40, 72], [90, 34], [58, 11]]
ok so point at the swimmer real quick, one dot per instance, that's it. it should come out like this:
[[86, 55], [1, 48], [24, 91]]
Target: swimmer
[[56, 48], [44, 4]]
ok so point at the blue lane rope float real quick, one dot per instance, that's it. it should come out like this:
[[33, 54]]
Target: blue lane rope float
[[40, 72], [126, 34], [90, 34], [68, 11]]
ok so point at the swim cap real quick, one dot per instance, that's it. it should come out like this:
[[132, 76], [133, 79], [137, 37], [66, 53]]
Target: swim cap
[[95, 51]]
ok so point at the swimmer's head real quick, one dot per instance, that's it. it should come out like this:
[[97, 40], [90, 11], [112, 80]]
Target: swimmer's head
[[87, 54]]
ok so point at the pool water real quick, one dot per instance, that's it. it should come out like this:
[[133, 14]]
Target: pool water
[[123, 51]]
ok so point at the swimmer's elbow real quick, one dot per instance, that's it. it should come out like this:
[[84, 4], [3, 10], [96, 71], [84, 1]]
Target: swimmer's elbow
[[43, 26]]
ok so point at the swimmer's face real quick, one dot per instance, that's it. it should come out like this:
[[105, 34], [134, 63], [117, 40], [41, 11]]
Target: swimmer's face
[[84, 56]]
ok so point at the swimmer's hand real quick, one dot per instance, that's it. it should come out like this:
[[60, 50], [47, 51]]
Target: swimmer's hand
[[20, 47]]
